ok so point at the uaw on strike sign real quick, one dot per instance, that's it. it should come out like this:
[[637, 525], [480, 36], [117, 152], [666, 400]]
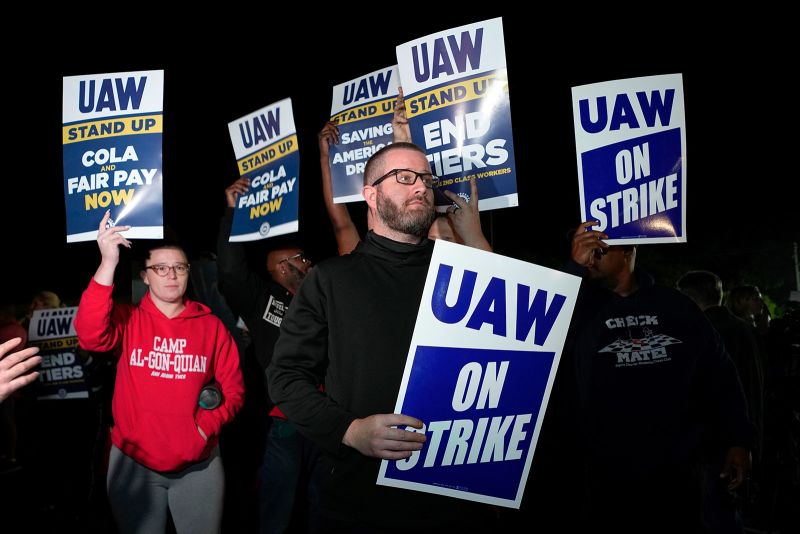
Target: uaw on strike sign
[[630, 137], [481, 365]]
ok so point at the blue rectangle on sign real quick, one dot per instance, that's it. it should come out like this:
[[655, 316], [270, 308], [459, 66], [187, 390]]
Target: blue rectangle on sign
[[270, 207], [634, 188], [122, 174], [480, 408]]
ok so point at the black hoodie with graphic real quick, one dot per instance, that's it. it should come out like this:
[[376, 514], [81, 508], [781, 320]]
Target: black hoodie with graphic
[[657, 393]]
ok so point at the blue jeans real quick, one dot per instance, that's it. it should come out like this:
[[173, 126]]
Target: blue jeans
[[289, 461]]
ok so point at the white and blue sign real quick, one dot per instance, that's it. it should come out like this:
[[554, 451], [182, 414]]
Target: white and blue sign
[[630, 137], [112, 136], [481, 365], [61, 375], [457, 103], [363, 109], [265, 144]]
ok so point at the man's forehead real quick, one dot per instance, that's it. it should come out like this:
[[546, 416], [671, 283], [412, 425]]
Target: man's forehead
[[406, 158]]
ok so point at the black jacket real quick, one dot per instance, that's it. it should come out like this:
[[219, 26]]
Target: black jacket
[[655, 384], [352, 321], [262, 304], [657, 397]]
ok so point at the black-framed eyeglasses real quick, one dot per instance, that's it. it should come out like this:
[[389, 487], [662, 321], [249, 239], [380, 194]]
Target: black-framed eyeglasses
[[299, 256], [409, 177], [162, 269]]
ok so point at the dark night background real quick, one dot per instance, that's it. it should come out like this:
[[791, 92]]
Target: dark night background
[[740, 102], [741, 201]]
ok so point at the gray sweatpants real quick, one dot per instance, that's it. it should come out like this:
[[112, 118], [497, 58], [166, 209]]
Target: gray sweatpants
[[140, 497]]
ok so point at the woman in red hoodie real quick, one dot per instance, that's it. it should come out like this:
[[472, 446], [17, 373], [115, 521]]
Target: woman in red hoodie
[[165, 455]]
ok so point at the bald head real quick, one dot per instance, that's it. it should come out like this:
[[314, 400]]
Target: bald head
[[376, 165], [288, 267], [274, 257]]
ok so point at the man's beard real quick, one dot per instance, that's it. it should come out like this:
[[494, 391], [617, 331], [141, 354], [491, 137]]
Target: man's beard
[[413, 222], [295, 277], [601, 279]]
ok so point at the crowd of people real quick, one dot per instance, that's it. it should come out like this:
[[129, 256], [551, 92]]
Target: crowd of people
[[669, 412]]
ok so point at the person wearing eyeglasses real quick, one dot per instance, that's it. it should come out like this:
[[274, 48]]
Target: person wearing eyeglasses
[[351, 322], [262, 303], [656, 394], [462, 214], [165, 458]]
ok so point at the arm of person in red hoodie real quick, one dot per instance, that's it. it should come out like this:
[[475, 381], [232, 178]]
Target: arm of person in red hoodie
[[228, 374], [99, 323]]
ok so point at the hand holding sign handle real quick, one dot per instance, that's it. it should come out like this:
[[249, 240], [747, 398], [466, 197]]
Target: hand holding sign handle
[[375, 436], [109, 240], [237, 188], [466, 219], [329, 135], [585, 242]]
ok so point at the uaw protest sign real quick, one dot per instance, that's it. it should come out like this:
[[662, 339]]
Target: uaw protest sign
[[481, 365]]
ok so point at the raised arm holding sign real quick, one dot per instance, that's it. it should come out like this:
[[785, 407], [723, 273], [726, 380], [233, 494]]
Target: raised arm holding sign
[[170, 349]]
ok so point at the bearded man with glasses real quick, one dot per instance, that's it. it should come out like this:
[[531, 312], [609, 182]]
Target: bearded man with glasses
[[352, 322]]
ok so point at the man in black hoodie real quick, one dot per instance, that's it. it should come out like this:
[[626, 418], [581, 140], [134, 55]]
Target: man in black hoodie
[[287, 458], [352, 323], [656, 392]]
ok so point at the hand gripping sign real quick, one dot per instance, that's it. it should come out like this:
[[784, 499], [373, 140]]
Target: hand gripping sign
[[481, 365]]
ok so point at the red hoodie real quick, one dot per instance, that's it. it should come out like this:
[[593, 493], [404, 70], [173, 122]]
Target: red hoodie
[[163, 365]]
